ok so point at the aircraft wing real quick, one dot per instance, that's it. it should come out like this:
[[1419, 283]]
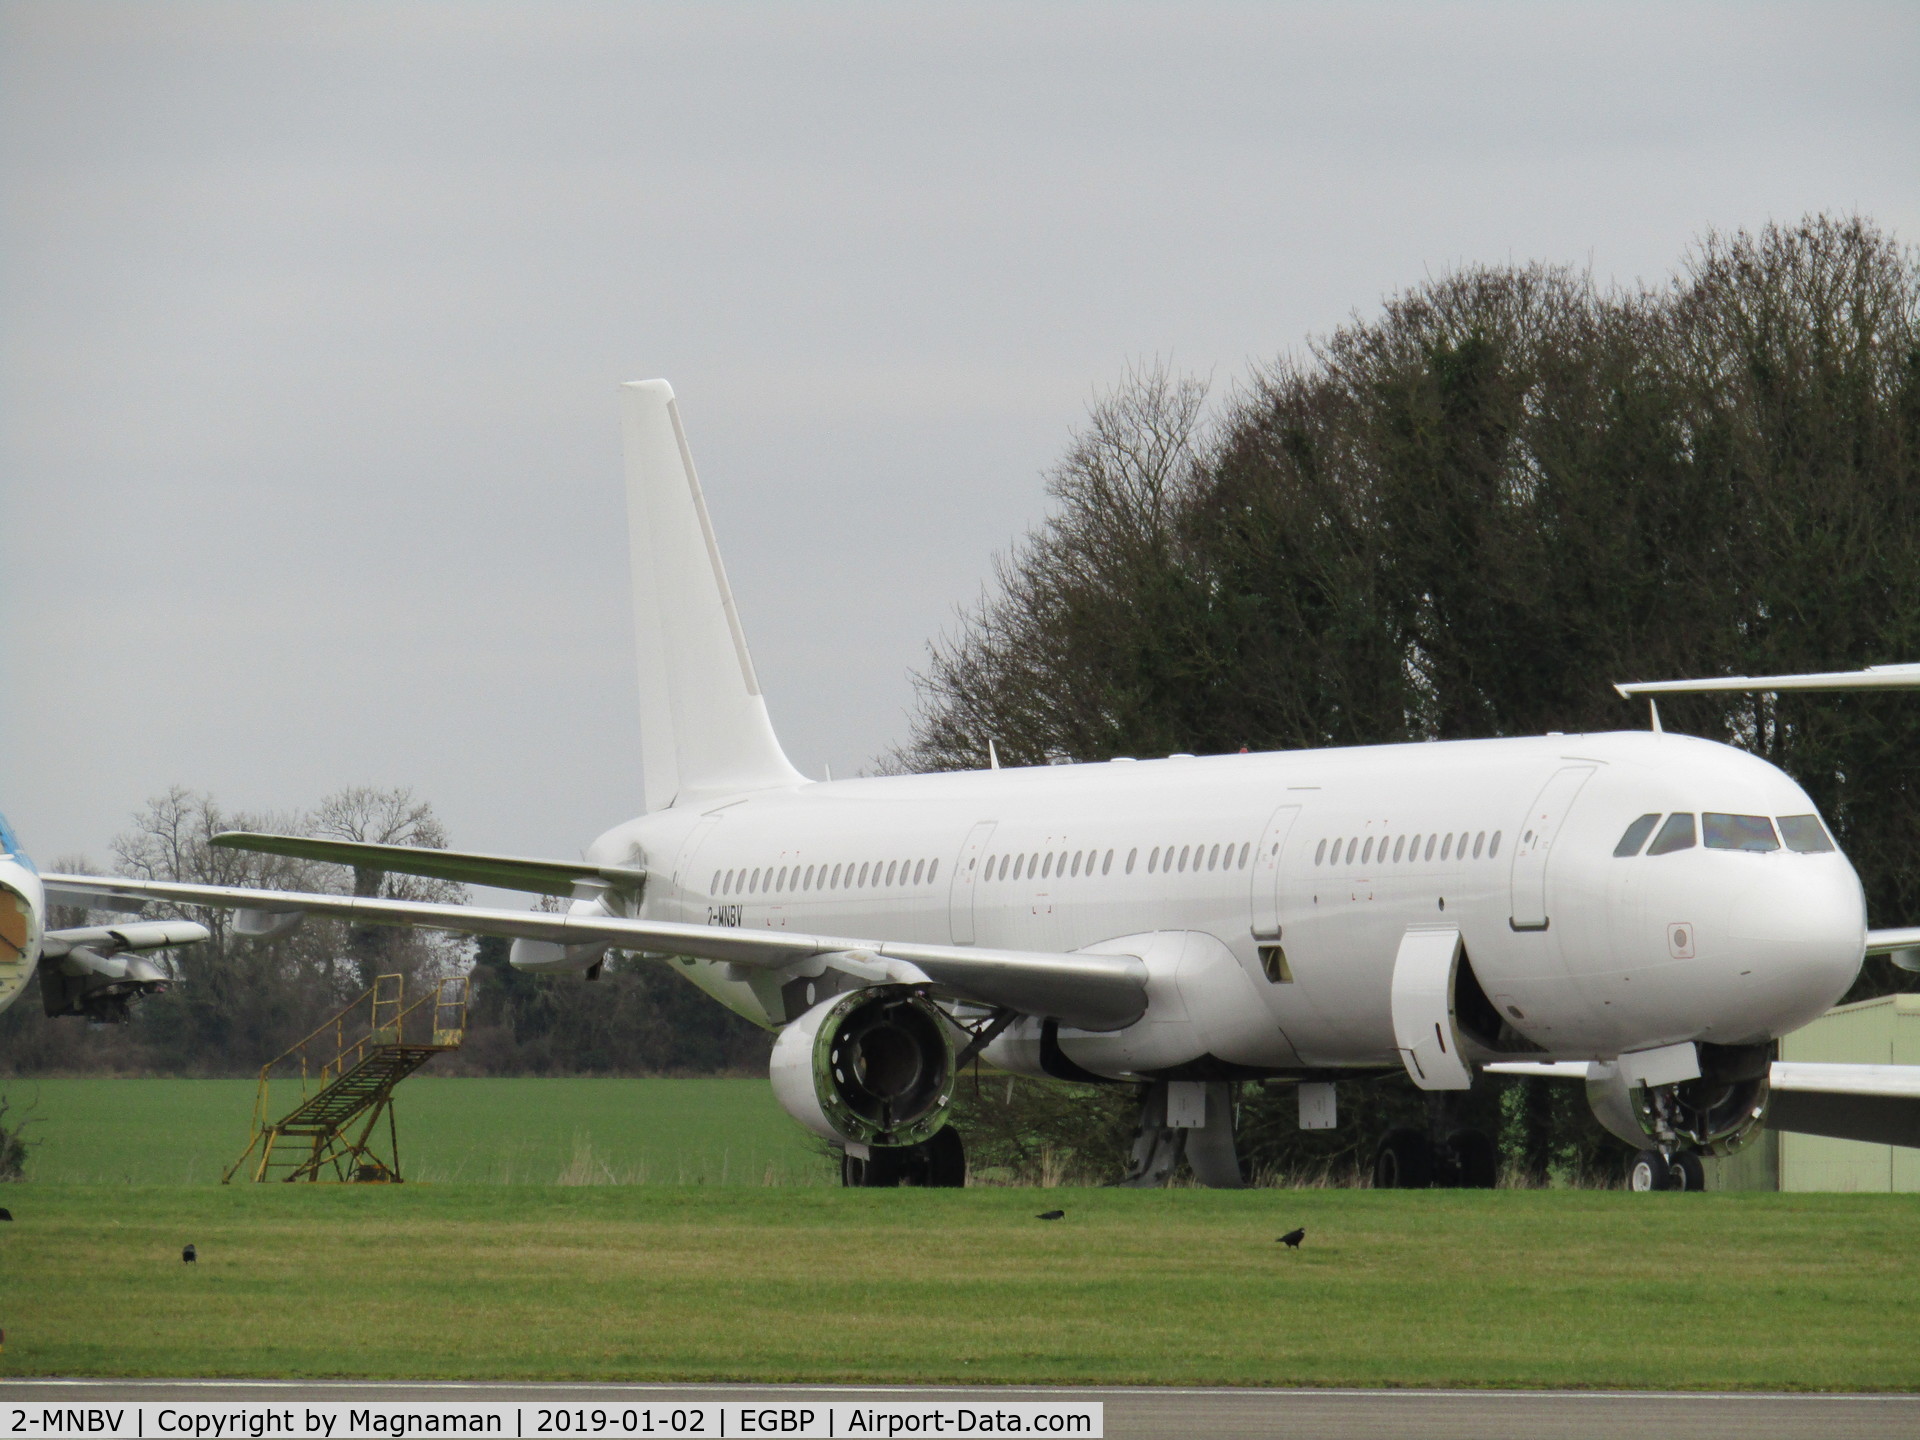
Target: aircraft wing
[[1874, 677], [1086, 990], [1879, 1104], [502, 872]]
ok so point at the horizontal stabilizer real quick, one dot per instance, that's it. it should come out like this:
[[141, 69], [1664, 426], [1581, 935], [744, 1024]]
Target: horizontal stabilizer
[[1087, 991], [502, 872]]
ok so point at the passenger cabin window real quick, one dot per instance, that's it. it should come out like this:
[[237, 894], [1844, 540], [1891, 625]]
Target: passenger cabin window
[[1805, 835], [1352, 845], [1493, 845], [1132, 855], [1479, 844], [1430, 840], [1738, 832], [1676, 834]]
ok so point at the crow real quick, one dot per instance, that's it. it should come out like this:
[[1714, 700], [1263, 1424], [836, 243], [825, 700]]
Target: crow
[[5, 1214], [190, 1255], [1051, 1215], [1293, 1238]]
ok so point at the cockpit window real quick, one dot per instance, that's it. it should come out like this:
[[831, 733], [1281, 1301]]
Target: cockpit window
[[1676, 834], [1636, 835], [1738, 832], [1805, 834]]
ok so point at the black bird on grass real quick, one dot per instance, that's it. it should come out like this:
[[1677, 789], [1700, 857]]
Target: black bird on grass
[[1051, 1215], [1293, 1238], [190, 1255], [5, 1214]]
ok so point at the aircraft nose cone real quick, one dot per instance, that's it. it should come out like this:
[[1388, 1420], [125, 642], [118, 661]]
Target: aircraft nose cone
[[1802, 935]]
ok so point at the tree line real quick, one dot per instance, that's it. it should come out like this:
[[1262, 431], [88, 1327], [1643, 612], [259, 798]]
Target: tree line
[[1468, 516]]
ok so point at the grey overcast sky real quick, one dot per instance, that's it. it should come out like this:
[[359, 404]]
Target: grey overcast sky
[[313, 313]]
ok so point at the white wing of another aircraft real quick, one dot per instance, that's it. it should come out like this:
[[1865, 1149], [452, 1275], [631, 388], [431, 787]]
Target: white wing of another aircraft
[[1874, 677], [1086, 990]]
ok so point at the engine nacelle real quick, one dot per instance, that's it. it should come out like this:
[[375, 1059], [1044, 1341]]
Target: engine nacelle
[[99, 988], [871, 1067], [1715, 1114]]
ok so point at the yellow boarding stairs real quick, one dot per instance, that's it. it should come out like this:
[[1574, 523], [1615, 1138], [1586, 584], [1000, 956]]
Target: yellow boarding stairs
[[335, 1132]]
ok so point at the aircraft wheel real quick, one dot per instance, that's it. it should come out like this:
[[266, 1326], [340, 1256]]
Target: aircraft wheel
[[1476, 1164], [1650, 1170], [1686, 1171], [936, 1164], [944, 1164], [1404, 1161], [881, 1170]]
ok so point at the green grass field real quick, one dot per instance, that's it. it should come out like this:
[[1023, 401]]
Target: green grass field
[[523, 1132], [1503, 1288], [727, 1253]]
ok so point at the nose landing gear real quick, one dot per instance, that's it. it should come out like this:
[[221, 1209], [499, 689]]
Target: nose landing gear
[[1656, 1170]]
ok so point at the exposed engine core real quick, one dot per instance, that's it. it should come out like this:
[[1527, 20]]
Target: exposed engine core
[[870, 1067], [1715, 1114], [98, 988]]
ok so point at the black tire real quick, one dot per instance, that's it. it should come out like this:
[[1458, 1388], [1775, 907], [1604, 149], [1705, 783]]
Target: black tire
[[944, 1164], [1649, 1170], [1404, 1161], [1476, 1163], [1686, 1171], [881, 1170], [936, 1164]]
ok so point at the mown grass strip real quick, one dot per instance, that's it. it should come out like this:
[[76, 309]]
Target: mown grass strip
[[1173, 1287]]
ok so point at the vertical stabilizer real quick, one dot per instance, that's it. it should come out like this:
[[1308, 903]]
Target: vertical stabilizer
[[704, 727]]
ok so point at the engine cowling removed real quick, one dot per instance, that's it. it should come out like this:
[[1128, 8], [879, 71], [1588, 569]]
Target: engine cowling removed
[[1715, 1114], [870, 1067]]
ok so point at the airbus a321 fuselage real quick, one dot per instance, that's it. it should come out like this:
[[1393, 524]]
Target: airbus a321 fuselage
[[1655, 907]]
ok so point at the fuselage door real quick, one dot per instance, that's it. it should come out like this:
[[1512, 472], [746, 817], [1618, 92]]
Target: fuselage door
[[1533, 844], [966, 878], [1266, 872], [687, 889]]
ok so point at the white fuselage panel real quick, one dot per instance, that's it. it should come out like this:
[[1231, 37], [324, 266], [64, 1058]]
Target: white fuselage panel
[[1329, 855]]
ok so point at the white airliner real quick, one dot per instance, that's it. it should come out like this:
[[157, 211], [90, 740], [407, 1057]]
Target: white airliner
[[95, 971], [1648, 911]]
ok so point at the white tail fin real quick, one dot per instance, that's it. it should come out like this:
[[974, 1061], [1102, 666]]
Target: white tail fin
[[704, 730]]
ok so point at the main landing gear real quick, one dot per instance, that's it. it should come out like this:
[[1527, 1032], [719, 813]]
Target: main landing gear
[[939, 1163], [1653, 1170], [1409, 1159], [1443, 1156]]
